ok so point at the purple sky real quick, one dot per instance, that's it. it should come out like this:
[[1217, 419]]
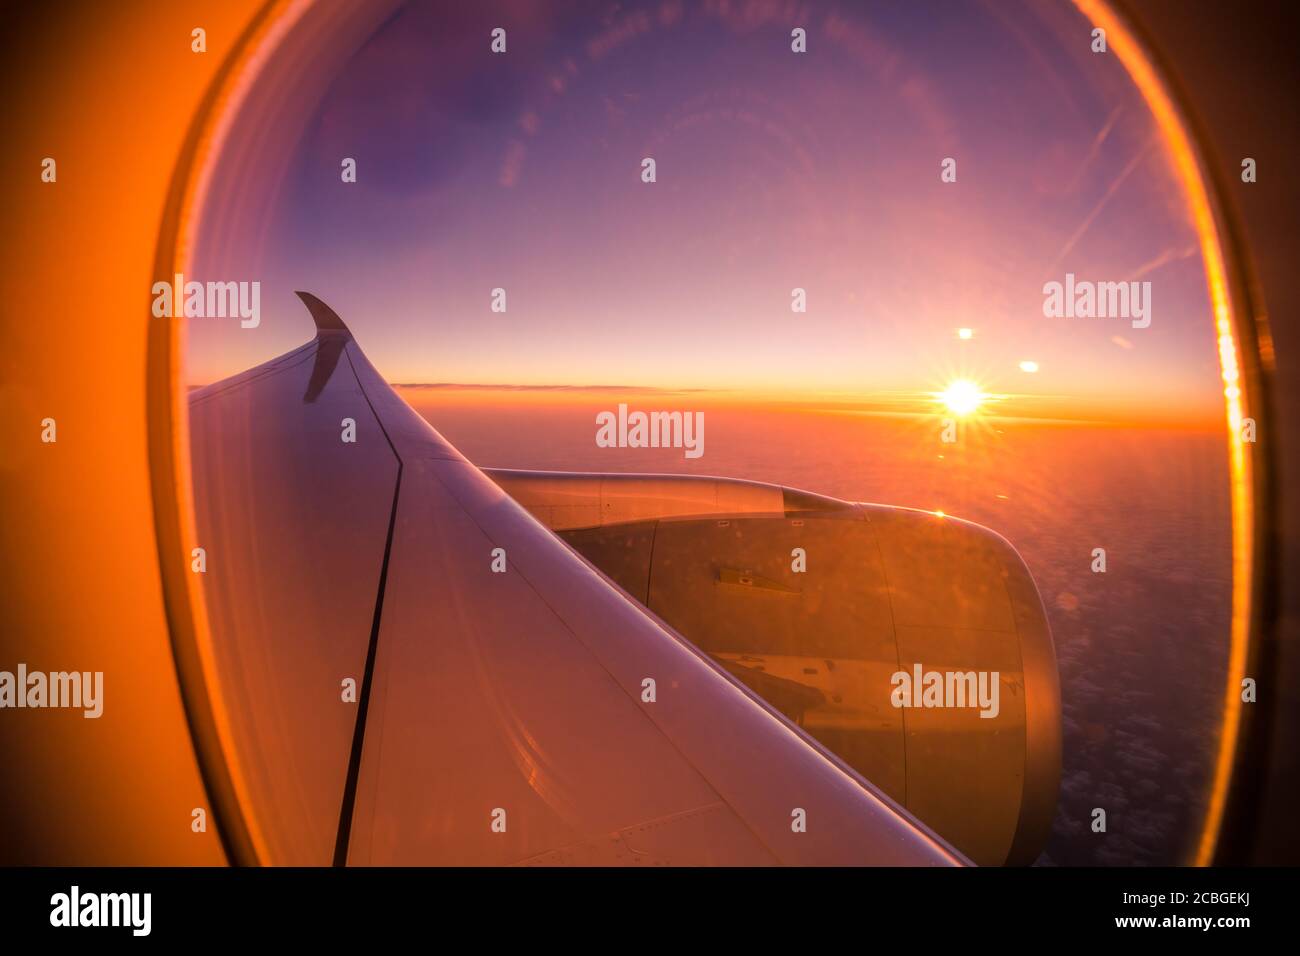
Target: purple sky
[[775, 170]]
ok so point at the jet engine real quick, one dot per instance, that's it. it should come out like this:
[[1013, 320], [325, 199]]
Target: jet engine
[[912, 645]]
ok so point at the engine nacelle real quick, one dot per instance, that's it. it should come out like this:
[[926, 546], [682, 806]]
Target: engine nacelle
[[912, 645]]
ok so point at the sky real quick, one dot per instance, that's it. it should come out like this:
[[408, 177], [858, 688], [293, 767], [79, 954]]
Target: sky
[[775, 171]]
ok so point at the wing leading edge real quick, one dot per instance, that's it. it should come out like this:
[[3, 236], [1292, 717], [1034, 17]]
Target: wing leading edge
[[531, 713]]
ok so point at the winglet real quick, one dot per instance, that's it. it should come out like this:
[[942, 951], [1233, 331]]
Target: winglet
[[326, 319]]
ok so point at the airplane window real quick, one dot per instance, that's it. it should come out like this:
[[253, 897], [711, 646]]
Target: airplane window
[[935, 261]]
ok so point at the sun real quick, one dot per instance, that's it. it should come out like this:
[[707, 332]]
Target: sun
[[962, 397]]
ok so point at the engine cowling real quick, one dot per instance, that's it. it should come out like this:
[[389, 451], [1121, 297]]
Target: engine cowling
[[912, 645]]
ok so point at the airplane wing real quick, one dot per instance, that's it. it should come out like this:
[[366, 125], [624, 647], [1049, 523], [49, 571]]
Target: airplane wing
[[409, 669]]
